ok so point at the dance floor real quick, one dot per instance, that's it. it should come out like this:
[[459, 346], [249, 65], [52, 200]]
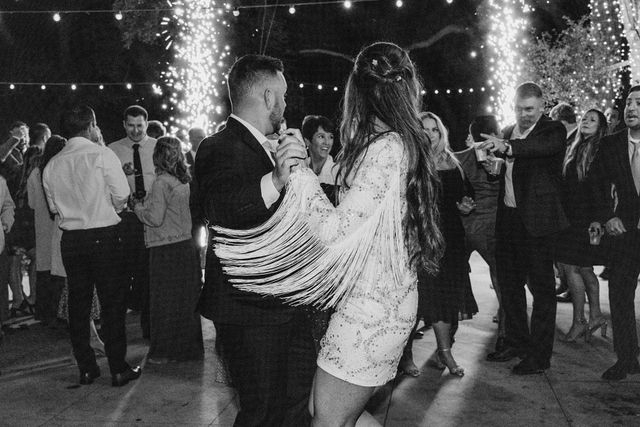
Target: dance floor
[[571, 393]]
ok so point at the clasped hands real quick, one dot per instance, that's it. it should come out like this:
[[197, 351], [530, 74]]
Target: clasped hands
[[291, 153]]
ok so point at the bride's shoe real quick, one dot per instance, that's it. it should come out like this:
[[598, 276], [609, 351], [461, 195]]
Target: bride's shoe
[[450, 362]]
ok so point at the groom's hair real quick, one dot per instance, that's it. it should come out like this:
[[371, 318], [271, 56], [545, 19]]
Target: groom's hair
[[248, 71]]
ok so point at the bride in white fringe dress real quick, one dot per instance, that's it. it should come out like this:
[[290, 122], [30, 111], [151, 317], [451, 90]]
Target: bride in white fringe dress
[[361, 256]]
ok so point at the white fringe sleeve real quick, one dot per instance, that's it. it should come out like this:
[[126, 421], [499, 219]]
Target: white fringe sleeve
[[310, 252]]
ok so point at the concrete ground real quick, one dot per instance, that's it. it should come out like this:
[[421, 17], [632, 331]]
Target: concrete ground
[[45, 391]]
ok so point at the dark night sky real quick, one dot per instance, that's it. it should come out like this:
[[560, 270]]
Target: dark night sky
[[88, 47]]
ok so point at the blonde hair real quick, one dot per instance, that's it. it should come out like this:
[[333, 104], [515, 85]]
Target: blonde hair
[[441, 149]]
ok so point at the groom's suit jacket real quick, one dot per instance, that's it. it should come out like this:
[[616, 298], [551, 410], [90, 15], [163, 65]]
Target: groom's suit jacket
[[228, 168]]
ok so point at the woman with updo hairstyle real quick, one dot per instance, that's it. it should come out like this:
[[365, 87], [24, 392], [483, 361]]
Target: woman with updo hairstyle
[[174, 271], [360, 257]]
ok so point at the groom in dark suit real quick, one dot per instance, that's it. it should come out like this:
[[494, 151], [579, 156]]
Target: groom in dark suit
[[529, 214], [268, 346], [618, 163]]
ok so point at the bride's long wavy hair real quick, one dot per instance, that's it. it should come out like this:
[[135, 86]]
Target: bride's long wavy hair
[[384, 87]]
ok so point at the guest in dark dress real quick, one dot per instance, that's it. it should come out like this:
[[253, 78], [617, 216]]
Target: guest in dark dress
[[176, 332], [446, 298], [574, 253]]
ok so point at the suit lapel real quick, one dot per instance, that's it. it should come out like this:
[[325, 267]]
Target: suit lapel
[[247, 138]]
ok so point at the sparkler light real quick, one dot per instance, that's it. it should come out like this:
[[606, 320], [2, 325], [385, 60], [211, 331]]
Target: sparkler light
[[507, 35], [195, 74]]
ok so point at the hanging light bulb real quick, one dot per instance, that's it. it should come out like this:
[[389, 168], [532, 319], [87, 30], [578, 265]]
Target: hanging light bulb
[[399, 3], [12, 86], [129, 86], [43, 87], [101, 87], [74, 87], [347, 4], [56, 17], [118, 16], [292, 9], [236, 12]]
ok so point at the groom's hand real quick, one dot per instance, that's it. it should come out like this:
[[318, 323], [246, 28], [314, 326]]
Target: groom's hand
[[291, 151]]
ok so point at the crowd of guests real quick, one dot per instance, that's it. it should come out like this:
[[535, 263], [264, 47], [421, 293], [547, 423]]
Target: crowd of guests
[[308, 327]]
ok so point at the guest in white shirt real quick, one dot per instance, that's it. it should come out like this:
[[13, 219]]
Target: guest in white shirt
[[135, 152], [85, 185]]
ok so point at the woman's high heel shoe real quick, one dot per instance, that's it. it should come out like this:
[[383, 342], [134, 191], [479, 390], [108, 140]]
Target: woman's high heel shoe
[[592, 327], [454, 369], [578, 329]]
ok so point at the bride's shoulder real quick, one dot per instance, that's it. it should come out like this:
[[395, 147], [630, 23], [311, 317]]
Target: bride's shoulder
[[389, 145]]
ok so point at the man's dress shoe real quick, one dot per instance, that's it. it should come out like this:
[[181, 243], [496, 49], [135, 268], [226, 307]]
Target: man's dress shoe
[[620, 370], [123, 378], [90, 375], [530, 366], [505, 354]]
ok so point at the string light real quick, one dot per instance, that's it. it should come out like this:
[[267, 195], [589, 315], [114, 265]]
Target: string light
[[629, 16], [220, 10], [56, 17], [606, 24], [292, 9], [118, 16], [399, 3]]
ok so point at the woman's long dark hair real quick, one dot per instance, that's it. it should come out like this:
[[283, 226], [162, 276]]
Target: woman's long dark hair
[[583, 149], [52, 146], [384, 87], [169, 158]]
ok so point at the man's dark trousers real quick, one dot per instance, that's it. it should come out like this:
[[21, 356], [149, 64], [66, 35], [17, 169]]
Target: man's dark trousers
[[94, 257], [136, 267], [525, 259], [623, 280]]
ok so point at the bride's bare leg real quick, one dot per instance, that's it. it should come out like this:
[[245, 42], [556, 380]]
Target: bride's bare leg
[[337, 403]]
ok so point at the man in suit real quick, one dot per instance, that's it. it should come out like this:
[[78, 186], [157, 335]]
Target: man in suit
[[268, 346], [529, 214], [618, 163]]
